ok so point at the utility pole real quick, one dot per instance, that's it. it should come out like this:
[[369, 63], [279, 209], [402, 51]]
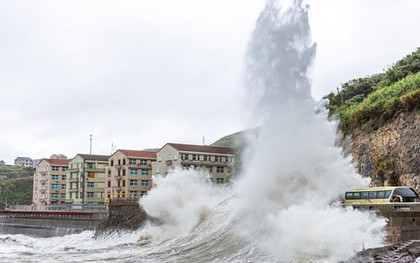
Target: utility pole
[[90, 151]]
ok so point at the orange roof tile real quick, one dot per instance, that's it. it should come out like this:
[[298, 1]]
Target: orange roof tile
[[137, 154], [59, 162]]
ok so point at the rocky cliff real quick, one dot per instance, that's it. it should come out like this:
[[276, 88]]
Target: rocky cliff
[[390, 155]]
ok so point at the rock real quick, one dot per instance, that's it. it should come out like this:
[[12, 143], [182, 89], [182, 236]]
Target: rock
[[122, 217], [406, 252], [390, 155]]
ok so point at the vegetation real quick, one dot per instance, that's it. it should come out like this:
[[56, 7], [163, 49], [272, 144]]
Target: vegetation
[[372, 101], [16, 191], [16, 171]]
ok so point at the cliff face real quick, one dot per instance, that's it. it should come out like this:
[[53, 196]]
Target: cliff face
[[390, 155]]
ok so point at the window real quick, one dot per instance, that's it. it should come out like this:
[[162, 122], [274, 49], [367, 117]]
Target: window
[[89, 165], [90, 194], [55, 168], [54, 187], [133, 193], [143, 162], [217, 158], [229, 169], [123, 172], [144, 172], [63, 187], [124, 161], [90, 184], [112, 162], [131, 161], [365, 195], [63, 196], [372, 195], [220, 169], [144, 183], [133, 172], [63, 177], [206, 158], [210, 169], [133, 182], [194, 157], [123, 183], [119, 161], [381, 195], [142, 193], [91, 174], [220, 180], [54, 195], [54, 177]]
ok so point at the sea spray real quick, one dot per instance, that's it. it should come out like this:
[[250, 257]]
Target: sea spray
[[180, 201], [286, 197]]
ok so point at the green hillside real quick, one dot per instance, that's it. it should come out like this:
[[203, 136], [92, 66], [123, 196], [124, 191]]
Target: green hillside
[[16, 171], [372, 101], [17, 191]]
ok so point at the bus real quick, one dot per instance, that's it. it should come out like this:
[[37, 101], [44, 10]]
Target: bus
[[387, 194]]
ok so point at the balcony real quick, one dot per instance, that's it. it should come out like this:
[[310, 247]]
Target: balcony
[[118, 177], [73, 180], [97, 170], [140, 166], [201, 162]]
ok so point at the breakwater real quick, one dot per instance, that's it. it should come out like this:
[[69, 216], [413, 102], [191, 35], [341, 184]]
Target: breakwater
[[48, 223]]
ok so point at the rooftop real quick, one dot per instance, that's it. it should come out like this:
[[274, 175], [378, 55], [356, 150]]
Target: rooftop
[[201, 148], [135, 153]]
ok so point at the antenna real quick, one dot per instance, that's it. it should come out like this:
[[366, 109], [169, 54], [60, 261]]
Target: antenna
[[90, 150], [204, 140]]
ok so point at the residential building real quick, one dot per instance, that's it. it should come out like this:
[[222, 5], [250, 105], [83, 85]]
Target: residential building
[[49, 185], [129, 174], [86, 179], [218, 161], [23, 161], [2, 163]]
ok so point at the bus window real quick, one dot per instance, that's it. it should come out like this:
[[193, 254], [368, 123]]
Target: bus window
[[372, 195], [365, 195], [349, 195], [388, 193], [356, 195], [381, 195], [405, 192]]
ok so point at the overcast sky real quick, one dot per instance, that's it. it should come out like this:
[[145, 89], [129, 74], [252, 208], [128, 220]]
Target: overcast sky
[[139, 74]]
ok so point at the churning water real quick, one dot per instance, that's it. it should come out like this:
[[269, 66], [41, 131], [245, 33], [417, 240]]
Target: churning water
[[283, 208]]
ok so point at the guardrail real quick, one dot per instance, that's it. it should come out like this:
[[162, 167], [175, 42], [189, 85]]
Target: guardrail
[[390, 207], [46, 214]]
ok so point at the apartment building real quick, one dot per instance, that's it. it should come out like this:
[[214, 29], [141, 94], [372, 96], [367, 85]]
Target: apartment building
[[129, 174], [23, 161], [49, 185], [218, 161], [86, 179]]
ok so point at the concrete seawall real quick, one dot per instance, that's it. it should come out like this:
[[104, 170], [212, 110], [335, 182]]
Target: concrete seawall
[[48, 224]]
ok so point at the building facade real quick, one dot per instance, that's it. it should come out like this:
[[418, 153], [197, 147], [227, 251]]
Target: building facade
[[129, 174], [86, 179], [218, 161], [49, 185], [23, 161]]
